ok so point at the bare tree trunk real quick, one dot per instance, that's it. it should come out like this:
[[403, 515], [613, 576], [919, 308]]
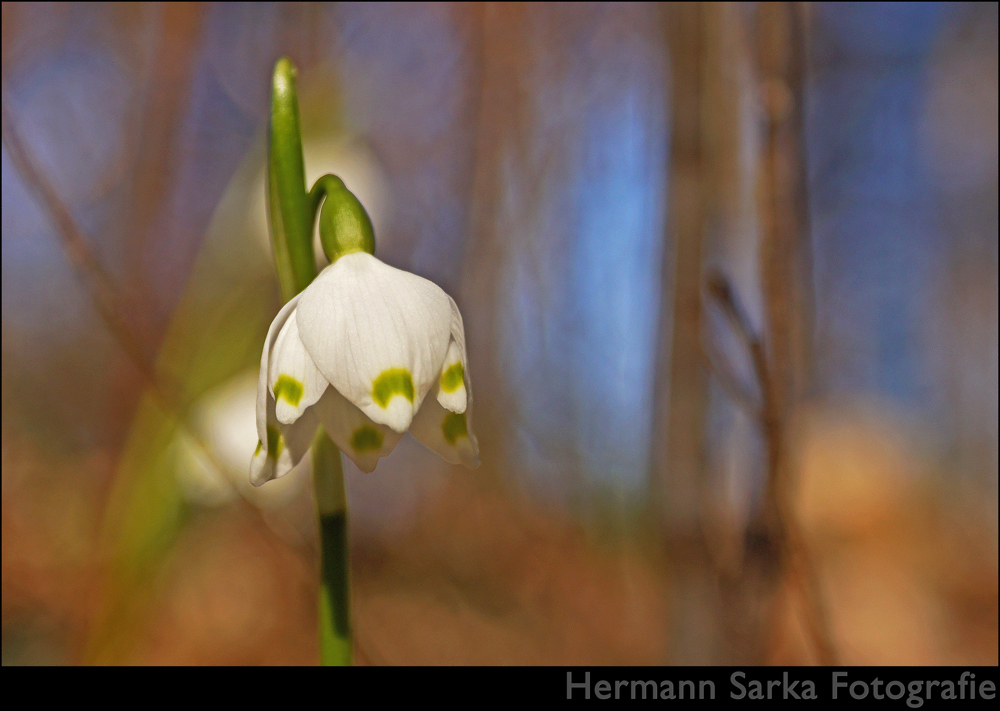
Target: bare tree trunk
[[678, 456], [724, 614], [501, 122]]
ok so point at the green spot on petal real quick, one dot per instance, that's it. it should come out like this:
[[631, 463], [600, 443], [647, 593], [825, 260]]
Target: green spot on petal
[[393, 381], [275, 442], [366, 439], [288, 388], [259, 445], [453, 377], [454, 426]]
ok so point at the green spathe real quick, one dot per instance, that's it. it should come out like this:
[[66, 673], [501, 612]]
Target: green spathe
[[287, 201], [344, 225]]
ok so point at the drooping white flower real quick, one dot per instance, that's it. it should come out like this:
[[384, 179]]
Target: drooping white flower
[[367, 351]]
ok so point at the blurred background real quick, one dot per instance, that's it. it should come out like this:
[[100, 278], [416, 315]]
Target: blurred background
[[729, 279]]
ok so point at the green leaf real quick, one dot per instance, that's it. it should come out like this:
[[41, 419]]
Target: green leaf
[[288, 209]]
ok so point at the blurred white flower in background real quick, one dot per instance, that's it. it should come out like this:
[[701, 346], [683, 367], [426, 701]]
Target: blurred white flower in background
[[224, 420]]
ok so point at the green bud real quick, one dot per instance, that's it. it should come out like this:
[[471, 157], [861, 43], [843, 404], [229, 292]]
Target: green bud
[[344, 225]]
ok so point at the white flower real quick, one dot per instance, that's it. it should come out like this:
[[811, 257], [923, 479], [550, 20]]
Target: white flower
[[367, 351]]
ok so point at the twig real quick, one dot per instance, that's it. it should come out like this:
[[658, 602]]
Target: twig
[[784, 526], [718, 287], [784, 241], [723, 370], [104, 295]]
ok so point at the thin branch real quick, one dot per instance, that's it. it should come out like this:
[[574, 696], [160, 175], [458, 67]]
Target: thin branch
[[103, 292], [802, 571], [724, 372], [806, 578], [94, 277], [718, 286]]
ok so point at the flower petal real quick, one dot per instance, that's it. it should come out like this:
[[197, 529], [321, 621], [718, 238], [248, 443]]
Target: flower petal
[[377, 334], [299, 435], [282, 446], [454, 379], [294, 380], [447, 433], [350, 429], [260, 470]]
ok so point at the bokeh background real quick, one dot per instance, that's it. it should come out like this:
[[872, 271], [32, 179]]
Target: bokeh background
[[571, 174]]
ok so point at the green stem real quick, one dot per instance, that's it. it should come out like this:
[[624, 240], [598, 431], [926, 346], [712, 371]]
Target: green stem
[[319, 191], [334, 596], [291, 215]]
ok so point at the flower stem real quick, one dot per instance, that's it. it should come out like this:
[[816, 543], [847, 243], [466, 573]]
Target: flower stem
[[334, 596], [291, 213]]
